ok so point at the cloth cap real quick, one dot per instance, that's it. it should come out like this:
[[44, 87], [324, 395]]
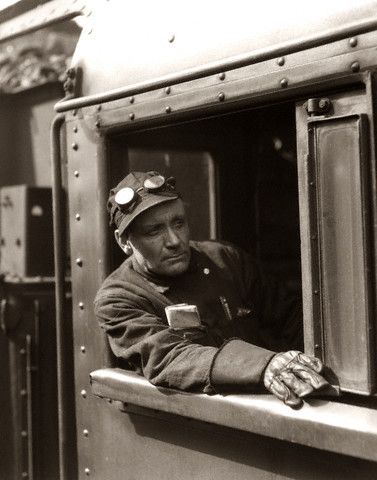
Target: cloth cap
[[136, 193]]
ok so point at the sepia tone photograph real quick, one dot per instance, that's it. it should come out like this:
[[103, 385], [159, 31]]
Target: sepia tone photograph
[[188, 222]]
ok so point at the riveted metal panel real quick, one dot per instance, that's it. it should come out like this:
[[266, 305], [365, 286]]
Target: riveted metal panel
[[187, 36], [85, 176], [260, 413], [144, 444], [318, 68]]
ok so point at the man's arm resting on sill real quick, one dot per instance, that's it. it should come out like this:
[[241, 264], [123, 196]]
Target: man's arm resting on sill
[[338, 427]]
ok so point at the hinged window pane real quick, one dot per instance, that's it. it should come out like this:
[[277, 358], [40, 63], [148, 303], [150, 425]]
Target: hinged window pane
[[333, 178]]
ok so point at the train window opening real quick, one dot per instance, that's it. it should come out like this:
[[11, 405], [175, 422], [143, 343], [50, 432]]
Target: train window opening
[[238, 177]]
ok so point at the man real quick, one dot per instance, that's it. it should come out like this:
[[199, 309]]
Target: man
[[196, 316]]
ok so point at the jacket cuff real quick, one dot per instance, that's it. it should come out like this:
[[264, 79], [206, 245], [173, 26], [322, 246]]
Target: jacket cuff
[[238, 365]]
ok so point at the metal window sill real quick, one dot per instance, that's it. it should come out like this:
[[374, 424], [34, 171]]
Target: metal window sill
[[327, 425]]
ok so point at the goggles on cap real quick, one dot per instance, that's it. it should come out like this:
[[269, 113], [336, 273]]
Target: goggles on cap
[[127, 198]]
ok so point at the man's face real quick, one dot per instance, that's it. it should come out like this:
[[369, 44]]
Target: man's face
[[159, 239]]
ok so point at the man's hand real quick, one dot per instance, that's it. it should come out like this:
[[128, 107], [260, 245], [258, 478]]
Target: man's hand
[[293, 375]]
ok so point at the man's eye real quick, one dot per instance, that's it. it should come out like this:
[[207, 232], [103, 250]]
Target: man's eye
[[179, 223], [153, 233]]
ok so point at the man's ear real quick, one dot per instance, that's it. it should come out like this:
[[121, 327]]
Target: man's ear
[[124, 244]]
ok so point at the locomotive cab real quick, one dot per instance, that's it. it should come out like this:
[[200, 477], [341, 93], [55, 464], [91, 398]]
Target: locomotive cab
[[270, 135]]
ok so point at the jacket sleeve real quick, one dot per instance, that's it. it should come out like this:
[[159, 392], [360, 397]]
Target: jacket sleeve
[[168, 359], [145, 342]]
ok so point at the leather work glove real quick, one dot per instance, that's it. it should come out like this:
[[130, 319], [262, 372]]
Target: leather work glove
[[292, 375]]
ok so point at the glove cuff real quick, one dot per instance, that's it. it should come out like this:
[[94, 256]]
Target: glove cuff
[[238, 365]]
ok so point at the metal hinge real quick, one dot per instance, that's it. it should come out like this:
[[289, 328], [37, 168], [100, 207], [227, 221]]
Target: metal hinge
[[318, 106]]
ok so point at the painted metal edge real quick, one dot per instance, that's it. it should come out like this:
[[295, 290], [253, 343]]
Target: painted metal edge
[[42, 16], [322, 424]]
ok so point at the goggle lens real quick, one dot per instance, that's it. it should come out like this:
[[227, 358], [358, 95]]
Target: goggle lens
[[125, 196], [153, 184]]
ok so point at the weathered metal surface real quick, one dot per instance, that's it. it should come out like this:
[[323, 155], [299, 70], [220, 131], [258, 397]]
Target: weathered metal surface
[[320, 424], [42, 16], [160, 447], [66, 427], [249, 84], [87, 187], [32, 364], [214, 47], [110, 442], [334, 171]]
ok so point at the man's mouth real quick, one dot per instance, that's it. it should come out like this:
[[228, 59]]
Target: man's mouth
[[177, 256]]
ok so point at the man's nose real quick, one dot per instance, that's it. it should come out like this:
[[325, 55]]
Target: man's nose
[[171, 238]]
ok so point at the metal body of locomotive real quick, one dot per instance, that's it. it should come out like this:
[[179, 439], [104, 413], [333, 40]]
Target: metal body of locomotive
[[274, 117]]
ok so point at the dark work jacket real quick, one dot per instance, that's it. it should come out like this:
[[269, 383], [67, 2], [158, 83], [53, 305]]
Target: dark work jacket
[[245, 320]]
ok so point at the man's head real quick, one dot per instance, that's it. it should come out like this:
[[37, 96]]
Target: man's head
[[151, 223]]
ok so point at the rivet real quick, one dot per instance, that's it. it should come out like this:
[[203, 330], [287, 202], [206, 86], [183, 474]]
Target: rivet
[[132, 116], [76, 173], [221, 96], [90, 31], [316, 292], [25, 475], [132, 99], [22, 351], [312, 184], [280, 61], [87, 471], [24, 433], [167, 90], [23, 392], [74, 112], [97, 123], [355, 66], [85, 432], [81, 305], [222, 76], [206, 271], [82, 349], [313, 237], [316, 346], [75, 129], [168, 109], [324, 104], [83, 393], [284, 83], [99, 108], [171, 38], [352, 42], [75, 146], [79, 262], [77, 217]]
